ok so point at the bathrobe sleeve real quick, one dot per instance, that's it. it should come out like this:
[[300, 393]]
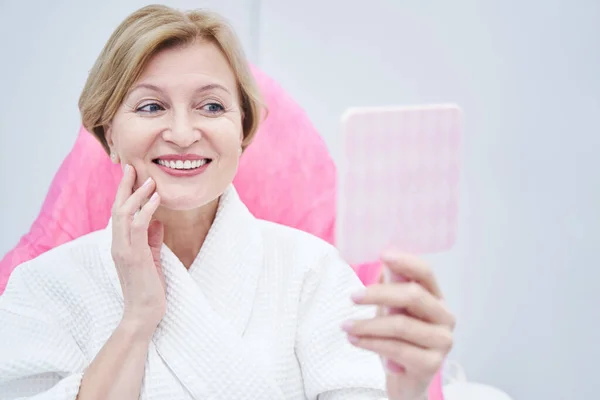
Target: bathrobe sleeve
[[331, 367], [39, 359]]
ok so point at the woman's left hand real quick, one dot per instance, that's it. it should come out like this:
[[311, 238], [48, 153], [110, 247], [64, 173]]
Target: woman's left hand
[[412, 330]]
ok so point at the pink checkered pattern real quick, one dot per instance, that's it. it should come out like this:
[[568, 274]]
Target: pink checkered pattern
[[399, 178]]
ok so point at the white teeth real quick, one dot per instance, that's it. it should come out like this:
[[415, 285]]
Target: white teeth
[[179, 164]]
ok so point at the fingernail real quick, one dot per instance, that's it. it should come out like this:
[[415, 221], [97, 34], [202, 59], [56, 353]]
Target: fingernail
[[388, 255], [392, 277], [154, 197], [353, 339], [127, 168], [147, 182], [393, 367], [358, 295], [347, 326]]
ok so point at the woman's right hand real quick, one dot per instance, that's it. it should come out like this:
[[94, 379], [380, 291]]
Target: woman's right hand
[[136, 243]]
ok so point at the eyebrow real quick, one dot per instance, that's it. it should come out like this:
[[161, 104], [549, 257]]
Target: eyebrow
[[202, 89]]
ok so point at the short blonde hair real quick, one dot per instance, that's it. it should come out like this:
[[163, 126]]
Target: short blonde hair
[[139, 37]]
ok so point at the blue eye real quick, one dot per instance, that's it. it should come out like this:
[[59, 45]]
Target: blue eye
[[150, 108], [213, 108]]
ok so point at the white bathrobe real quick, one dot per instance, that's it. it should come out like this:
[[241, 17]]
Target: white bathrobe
[[257, 317]]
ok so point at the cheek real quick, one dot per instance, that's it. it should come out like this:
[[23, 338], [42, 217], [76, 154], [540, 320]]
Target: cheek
[[225, 137], [133, 138], [133, 141]]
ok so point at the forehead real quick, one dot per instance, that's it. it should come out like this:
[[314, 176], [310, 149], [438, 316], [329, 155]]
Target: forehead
[[201, 59]]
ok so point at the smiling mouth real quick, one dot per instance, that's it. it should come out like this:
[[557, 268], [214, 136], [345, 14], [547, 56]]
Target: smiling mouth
[[182, 165]]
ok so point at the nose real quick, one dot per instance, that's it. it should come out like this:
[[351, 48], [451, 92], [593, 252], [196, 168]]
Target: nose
[[182, 131]]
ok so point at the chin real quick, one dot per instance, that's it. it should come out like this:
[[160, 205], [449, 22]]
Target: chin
[[187, 198], [185, 203]]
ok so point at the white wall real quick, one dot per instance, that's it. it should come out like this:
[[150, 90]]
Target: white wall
[[523, 276]]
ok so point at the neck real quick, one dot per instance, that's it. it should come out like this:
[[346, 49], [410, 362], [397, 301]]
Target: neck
[[185, 231]]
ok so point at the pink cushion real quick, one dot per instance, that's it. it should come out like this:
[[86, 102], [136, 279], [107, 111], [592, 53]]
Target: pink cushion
[[286, 176]]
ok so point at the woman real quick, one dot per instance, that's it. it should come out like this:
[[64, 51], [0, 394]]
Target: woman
[[301, 189], [186, 295]]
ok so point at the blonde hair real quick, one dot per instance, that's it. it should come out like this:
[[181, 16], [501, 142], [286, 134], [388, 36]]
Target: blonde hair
[[139, 37]]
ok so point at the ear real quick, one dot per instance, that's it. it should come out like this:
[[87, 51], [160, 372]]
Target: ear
[[111, 144], [108, 135]]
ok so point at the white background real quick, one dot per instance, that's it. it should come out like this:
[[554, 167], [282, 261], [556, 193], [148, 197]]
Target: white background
[[523, 277]]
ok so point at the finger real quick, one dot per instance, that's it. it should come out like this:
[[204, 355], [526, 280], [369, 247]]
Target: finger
[[387, 276], [141, 223], [137, 199], [411, 297], [120, 218], [412, 268], [156, 234], [125, 187], [415, 360], [124, 215], [405, 328]]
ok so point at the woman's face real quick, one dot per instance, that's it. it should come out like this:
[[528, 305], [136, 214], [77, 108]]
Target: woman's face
[[181, 125]]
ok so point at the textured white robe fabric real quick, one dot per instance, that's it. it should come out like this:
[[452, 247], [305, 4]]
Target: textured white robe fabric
[[257, 316]]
